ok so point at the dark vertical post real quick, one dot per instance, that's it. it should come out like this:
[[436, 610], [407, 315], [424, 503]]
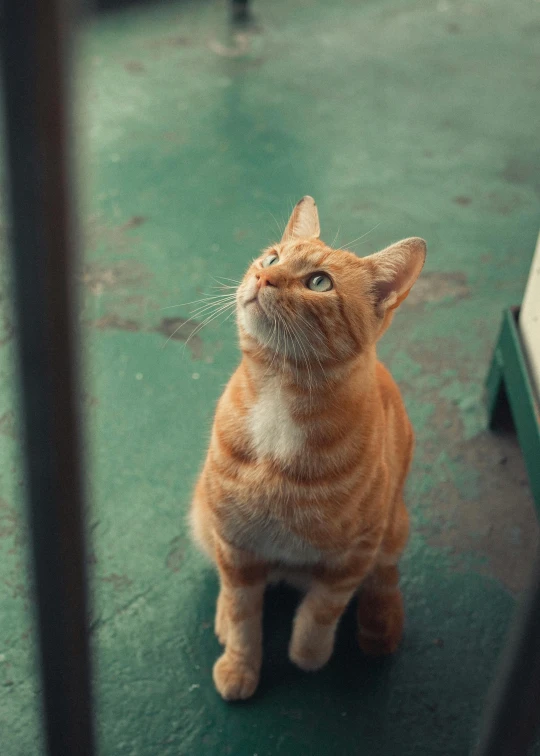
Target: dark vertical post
[[513, 712], [240, 11], [35, 52]]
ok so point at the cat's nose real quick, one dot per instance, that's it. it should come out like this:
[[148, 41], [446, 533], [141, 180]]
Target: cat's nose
[[264, 279]]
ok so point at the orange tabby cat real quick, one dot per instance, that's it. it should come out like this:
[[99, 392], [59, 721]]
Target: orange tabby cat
[[310, 449]]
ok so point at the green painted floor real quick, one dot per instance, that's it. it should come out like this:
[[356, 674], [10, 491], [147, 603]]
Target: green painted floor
[[401, 117]]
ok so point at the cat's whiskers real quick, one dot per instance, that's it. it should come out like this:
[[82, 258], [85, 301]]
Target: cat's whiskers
[[292, 342], [308, 366], [232, 312], [278, 349], [283, 351], [288, 339], [197, 328], [269, 345], [211, 309], [209, 319], [278, 226], [172, 334], [355, 241], [295, 341], [199, 310], [224, 278], [212, 306], [206, 298], [312, 332]]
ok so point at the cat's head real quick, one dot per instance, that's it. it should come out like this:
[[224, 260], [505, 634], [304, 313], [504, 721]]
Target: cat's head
[[310, 302]]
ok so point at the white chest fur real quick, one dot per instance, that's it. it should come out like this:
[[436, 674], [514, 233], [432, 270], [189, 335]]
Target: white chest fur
[[274, 433]]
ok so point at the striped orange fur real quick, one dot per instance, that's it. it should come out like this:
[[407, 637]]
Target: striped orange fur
[[310, 449]]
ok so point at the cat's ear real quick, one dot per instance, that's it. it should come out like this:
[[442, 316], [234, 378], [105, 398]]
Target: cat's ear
[[304, 221], [394, 271]]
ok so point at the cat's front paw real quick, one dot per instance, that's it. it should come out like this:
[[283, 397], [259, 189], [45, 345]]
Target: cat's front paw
[[381, 646], [310, 658], [234, 680]]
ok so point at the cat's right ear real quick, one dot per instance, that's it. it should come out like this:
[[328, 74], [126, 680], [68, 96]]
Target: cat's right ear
[[304, 221]]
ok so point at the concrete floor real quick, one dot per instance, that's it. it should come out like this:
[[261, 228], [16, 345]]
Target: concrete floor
[[402, 118]]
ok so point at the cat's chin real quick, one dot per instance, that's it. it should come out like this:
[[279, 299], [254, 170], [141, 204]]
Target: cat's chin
[[254, 305], [255, 322]]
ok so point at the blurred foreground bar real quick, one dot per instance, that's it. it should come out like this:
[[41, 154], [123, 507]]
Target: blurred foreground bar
[[35, 42], [513, 710]]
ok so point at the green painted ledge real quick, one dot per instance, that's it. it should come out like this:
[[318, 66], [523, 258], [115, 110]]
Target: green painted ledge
[[509, 383]]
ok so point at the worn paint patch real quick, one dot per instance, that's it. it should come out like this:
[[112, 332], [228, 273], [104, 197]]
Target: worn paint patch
[[134, 67], [175, 329], [8, 425], [100, 234], [175, 40], [183, 329], [175, 557], [467, 398], [433, 287], [90, 401], [18, 589], [9, 520], [118, 582], [134, 222], [100, 277], [498, 523], [504, 203], [468, 491], [115, 322], [523, 170], [405, 369]]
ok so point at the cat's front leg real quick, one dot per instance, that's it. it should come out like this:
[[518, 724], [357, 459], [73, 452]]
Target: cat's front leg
[[239, 622], [318, 615]]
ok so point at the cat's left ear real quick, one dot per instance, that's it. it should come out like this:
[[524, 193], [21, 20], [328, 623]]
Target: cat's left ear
[[394, 271], [304, 221]]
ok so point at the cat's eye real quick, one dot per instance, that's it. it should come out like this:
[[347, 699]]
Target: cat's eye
[[319, 282], [270, 260]]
